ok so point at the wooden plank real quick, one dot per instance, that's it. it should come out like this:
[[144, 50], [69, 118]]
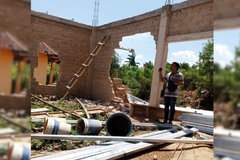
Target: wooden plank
[[61, 114], [39, 110], [82, 105], [7, 131], [10, 120]]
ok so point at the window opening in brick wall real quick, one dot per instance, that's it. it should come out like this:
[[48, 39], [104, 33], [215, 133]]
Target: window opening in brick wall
[[47, 71]]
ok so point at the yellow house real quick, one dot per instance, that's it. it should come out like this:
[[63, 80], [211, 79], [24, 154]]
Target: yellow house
[[11, 49]]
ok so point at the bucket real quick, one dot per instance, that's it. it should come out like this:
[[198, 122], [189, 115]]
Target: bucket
[[88, 126], [119, 124], [63, 120], [19, 151], [53, 126]]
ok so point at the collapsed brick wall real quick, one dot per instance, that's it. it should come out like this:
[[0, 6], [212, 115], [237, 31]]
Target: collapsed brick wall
[[73, 45], [102, 84], [120, 89], [15, 19], [193, 19]]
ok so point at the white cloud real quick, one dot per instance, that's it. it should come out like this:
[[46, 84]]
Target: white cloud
[[222, 54], [139, 57], [184, 56]]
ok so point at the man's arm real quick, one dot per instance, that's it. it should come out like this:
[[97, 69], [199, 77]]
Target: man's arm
[[179, 82], [160, 75]]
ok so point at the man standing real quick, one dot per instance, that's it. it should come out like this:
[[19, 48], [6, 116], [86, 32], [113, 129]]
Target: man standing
[[173, 79]]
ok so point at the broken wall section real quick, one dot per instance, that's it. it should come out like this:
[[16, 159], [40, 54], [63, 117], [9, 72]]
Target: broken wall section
[[185, 18], [102, 87], [72, 42]]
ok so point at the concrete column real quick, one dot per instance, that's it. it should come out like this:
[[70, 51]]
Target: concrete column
[[160, 60], [53, 63], [91, 67], [18, 83]]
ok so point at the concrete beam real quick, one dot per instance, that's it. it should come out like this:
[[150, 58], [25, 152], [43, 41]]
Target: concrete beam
[[61, 20], [227, 23], [151, 14], [190, 37], [162, 48], [189, 3], [154, 13]]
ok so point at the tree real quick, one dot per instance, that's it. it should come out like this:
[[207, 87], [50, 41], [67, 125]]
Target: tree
[[149, 65], [115, 65], [131, 60], [184, 66]]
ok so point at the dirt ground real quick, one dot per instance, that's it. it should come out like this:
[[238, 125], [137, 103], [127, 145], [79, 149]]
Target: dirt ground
[[162, 152], [175, 151]]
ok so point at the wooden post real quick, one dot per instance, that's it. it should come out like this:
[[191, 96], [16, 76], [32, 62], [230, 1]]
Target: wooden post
[[53, 63], [18, 83]]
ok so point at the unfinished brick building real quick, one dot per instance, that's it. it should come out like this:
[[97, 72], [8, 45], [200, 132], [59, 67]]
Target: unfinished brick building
[[186, 21]]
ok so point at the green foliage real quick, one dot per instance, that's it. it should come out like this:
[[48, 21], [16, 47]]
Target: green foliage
[[25, 78], [55, 72], [226, 81], [131, 60], [184, 66], [198, 76], [37, 144], [3, 150], [66, 145], [149, 65], [206, 68], [115, 65]]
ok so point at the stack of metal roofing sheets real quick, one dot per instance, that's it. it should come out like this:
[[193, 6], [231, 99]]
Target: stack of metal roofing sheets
[[115, 150], [202, 122]]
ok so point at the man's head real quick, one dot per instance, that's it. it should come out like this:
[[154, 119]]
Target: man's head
[[174, 67]]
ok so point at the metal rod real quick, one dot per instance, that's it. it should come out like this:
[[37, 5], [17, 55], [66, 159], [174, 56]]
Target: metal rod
[[117, 138]]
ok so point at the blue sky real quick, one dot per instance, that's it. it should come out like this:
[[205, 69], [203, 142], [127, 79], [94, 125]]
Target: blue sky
[[144, 45], [225, 42]]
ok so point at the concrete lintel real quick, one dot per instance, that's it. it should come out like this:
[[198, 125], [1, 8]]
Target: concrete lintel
[[190, 37], [227, 23], [189, 3], [61, 20], [153, 13]]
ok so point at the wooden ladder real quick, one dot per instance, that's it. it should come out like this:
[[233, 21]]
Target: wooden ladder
[[84, 66]]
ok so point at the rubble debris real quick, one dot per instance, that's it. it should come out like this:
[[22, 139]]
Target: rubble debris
[[120, 90]]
